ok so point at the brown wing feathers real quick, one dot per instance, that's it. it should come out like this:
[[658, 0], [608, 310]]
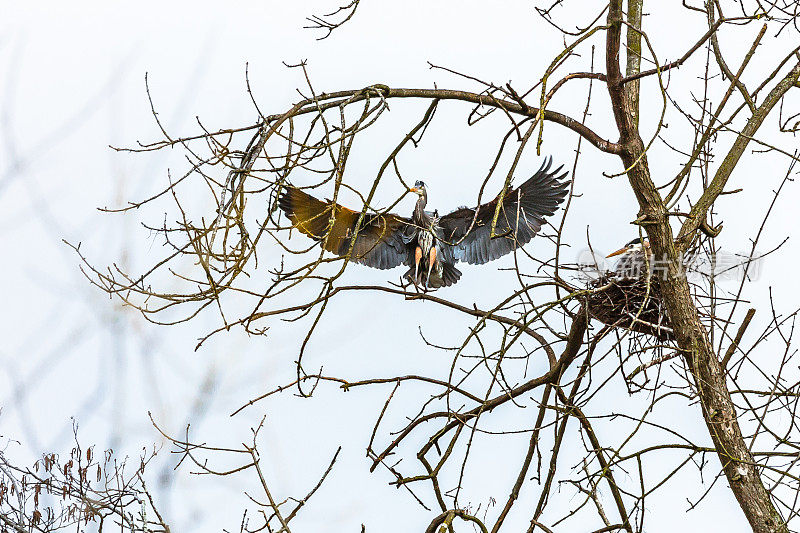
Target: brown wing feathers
[[379, 243]]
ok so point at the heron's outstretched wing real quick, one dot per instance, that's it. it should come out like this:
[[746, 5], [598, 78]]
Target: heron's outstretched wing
[[379, 243], [521, 217]]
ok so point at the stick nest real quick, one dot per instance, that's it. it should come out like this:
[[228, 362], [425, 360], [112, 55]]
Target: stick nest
[[628, 303]]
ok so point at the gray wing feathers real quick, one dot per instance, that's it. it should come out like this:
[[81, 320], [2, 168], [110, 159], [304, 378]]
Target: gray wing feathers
[[521, 216]]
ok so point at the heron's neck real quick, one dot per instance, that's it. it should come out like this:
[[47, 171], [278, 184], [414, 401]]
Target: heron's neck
[[419, 209]]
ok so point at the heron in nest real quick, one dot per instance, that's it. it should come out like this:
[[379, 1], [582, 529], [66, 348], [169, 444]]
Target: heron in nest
[[629, 296], [635, 258], [428, 244]]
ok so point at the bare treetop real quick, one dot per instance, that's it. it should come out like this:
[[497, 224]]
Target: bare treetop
[[663, 330]]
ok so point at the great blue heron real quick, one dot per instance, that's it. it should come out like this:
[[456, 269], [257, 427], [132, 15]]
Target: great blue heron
[[428, 244], [635, 259], [629, 296]]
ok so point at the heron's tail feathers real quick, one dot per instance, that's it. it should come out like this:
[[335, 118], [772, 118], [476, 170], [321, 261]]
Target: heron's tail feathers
[[448, 276]]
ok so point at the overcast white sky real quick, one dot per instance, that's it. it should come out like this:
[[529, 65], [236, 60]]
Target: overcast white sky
[[72, 83]]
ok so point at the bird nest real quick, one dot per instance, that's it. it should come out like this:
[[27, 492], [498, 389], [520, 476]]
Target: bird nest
[[630, 303]]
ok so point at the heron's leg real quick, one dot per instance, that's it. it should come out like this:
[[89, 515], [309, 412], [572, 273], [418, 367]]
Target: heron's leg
[[417, 259], [431, 261]]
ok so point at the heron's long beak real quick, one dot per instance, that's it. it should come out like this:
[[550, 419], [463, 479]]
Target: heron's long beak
[[620, 251], [414, 189]]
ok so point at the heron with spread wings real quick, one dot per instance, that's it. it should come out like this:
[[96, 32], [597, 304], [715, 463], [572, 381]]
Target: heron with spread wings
[[427, 243]]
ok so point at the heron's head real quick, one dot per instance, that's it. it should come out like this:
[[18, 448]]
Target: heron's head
[[636, 245], [419, 188]]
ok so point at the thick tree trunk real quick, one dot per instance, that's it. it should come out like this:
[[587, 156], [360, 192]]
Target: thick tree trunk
[[709, 376], [717, 406]]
